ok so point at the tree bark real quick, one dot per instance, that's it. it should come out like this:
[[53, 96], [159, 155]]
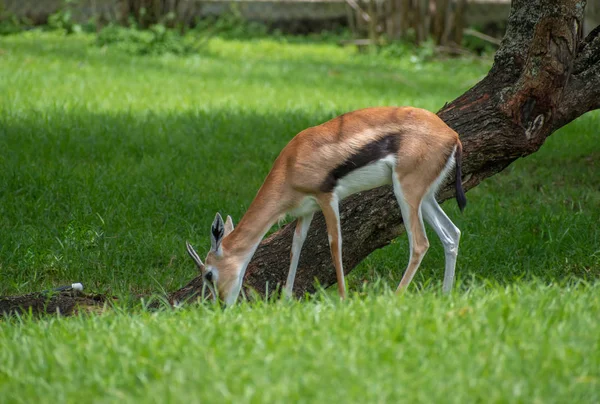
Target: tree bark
[[543, 77]]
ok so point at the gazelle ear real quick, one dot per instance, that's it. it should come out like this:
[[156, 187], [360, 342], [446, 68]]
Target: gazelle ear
[[228, 225], [195, 256], [217, 232]]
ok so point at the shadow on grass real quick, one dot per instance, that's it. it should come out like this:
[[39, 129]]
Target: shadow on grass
[[109, 199]]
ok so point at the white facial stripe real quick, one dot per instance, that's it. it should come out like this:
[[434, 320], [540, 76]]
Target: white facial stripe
[[215, 273], [212, 291]]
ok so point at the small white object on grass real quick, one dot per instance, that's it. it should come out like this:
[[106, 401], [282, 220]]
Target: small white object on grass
[[77, 286]]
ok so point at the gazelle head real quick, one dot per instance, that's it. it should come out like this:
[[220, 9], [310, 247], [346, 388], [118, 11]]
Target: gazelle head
[[221, 270]]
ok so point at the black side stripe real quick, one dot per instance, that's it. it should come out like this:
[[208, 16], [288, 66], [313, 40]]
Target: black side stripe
[[368, 154]]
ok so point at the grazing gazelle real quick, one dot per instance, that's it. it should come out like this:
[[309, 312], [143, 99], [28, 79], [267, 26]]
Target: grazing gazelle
[[410, 148]]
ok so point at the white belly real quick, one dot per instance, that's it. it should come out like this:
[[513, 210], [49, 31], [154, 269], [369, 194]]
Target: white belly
[[307, 205], [368, 177]]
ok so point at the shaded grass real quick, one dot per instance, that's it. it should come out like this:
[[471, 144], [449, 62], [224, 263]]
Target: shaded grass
[[109, 162], [115, 160], [118, 159]]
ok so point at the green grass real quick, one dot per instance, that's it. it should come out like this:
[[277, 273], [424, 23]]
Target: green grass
[[110, 162], [519, 344]]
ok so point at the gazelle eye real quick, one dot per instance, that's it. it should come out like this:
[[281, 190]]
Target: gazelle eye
[[209, 276]]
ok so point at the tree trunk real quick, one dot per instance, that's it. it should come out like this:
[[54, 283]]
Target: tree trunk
[[459, 21], [439, 20], [543, 77]]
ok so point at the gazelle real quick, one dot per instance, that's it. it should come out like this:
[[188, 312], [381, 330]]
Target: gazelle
[[410, 148]]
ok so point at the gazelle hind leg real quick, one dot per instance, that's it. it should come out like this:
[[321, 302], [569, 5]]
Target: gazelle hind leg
[[410, 206], [330, 206], [448, 233], [302, 225]]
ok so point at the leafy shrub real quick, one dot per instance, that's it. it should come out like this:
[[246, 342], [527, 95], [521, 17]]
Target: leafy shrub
[[154, 41], [62, 20], [159, 39], [231, 25], [10, 25], [418, 53]]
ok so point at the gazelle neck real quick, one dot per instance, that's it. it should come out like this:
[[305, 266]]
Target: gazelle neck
[[264, 211]]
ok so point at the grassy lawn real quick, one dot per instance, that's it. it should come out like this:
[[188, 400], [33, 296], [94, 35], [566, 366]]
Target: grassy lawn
[[110, 162]]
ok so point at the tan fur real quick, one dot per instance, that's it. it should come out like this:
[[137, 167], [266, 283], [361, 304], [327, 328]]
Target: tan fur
[[425, 146], [335, 240], [425, 137]]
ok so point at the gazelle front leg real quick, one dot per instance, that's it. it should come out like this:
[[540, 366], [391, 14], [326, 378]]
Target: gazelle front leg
[[410, 206], [448, 233], [302, 225], [330, 206]]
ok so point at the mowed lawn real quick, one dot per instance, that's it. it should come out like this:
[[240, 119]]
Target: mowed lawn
[[109, 162]]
